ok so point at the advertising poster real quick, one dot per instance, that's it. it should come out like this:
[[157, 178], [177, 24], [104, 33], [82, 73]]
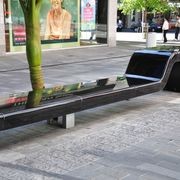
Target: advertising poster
[[88, 10], [58, 19]]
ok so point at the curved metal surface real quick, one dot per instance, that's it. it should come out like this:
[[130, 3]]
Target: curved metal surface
[[148, 71]]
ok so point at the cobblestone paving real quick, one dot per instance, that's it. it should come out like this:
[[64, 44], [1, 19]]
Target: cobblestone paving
[[135, 139]]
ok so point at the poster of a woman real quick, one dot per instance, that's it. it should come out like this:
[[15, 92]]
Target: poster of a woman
[[58, 22], [88, 8]]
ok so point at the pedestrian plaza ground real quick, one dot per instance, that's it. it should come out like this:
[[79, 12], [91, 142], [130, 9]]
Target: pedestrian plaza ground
[[134, 139]]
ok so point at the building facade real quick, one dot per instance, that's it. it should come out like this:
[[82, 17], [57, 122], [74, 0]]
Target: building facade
[[72, 23]]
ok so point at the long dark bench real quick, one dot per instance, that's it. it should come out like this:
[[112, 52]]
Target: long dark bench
[[148, 71]]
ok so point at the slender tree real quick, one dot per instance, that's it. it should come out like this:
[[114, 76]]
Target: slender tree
[[128, 6], [145, 6], [31, 10]]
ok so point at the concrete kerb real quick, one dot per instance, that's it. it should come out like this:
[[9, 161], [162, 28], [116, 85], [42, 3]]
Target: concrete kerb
[[139, 37]]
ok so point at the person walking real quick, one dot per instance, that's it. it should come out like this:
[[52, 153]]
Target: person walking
[[165, 29], [177, 27]]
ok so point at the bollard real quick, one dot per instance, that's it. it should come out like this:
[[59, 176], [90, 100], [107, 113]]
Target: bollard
[[151, 40]]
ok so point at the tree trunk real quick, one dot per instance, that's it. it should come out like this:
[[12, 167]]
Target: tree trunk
[[33, 47], [145, 24]]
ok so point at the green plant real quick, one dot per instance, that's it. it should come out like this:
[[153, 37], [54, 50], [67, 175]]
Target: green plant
[[31, 10]]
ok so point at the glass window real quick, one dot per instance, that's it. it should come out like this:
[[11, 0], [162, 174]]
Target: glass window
[[93, 22], [67, 24]]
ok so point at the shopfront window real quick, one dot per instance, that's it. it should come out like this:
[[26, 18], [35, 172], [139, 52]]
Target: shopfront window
[[68, 23]]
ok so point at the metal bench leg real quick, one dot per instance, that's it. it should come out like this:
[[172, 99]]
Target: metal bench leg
[[53, 121], [68, 121]]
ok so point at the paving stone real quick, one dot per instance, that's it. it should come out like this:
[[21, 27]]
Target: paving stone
[[113, 172], [169, 157], [10, 156], [15, 171], [169, 165], [159, 170], [86, 172], [101, 176], [131, 177], [152, 176]]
